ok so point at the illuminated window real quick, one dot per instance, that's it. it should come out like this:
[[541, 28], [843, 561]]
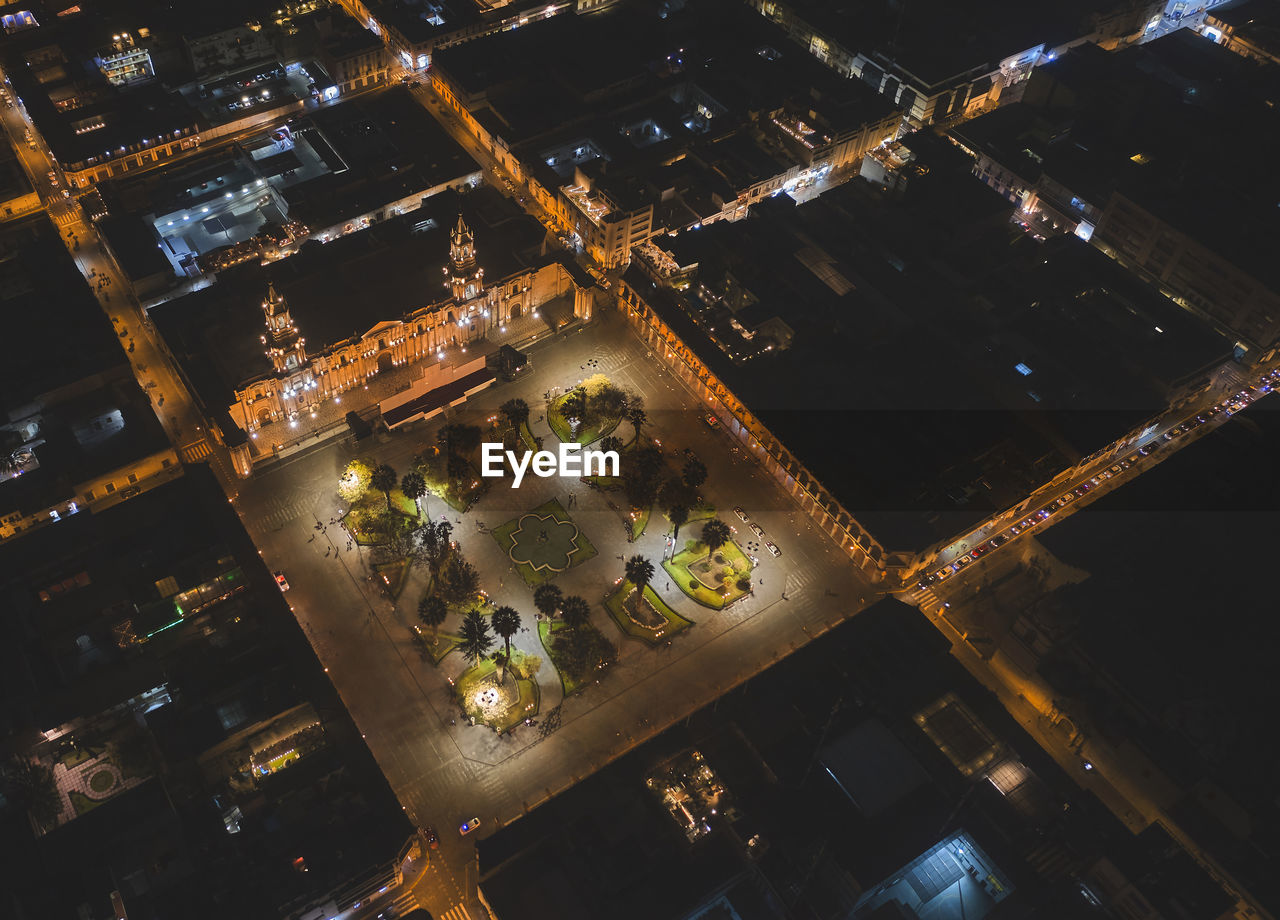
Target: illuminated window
[[1022, 369]]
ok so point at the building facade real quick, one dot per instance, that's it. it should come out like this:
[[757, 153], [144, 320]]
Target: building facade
[[301, 381], [745, 427]]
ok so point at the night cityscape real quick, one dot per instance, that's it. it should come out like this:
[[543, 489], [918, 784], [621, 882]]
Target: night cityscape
[[639, 459]]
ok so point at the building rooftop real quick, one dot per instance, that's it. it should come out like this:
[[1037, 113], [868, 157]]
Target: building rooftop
[[46, 303], [1164, 682], [234, 667], [890, 298], [342, 288], [380, 148]]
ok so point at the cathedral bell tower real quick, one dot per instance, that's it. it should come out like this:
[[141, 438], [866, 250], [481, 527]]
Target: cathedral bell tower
[[284, 345], [465, 279]]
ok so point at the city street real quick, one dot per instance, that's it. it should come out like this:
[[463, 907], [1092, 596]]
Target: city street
[[446, 773], [169, 397], [1228, 380]]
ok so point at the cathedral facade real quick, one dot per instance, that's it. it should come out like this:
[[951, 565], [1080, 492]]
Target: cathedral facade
[[300, 381]]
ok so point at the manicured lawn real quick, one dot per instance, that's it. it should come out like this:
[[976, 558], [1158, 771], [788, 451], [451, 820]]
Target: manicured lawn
[[539, 560], [702, 513], [102, 781], [75, 758], [363, 520], [671, 624], [679, 570], [525, 707], [444, 644], [82, 803], [527, 438], [560, 425], [395, 575], [640, 523], [545, 631]]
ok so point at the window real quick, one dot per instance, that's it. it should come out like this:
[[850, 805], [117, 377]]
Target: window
[[111, 487], [1022, 369], [133, 477], [88, 495], [166, 462]]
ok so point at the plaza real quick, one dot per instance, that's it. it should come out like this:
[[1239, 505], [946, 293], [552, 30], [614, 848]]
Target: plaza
[[406, 707]]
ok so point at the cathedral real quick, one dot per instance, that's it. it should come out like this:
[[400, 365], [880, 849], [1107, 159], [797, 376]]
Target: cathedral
[[302, 389]]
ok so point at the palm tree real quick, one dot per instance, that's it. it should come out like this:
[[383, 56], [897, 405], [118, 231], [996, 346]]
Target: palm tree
[[715, 534], [476, 638], [414, 487], [639, 572], [637, 418], [384, 480], [679, 515], [431, 611], [547, 598], [695, 473], [506, 623], [516, 412], [575, 612]]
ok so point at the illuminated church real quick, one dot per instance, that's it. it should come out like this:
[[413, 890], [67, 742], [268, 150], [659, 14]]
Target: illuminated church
[[301, 389]]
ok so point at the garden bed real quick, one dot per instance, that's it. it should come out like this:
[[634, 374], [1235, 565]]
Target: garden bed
[[692, 569], [520, 692], [536, 566], [652, 623]]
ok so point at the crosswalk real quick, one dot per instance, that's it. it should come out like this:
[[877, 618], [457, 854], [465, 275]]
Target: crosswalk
[[196, 451], [456, 913], [404, 903]]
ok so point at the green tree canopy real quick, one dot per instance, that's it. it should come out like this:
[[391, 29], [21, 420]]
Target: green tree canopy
[[476, 638]]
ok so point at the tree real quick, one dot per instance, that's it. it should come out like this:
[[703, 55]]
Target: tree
[[431, 611], [516, 412], [679, 515], [33, 787], [639, 572], [413, 486], [355, 481], [506, 623], [715, 534], [584, 651], [459, 581], [435, 545], [575, 612], [640, 475], [611, 442], [547, 598], [476, 638], [384, 480], [637, 418], [695, 473]]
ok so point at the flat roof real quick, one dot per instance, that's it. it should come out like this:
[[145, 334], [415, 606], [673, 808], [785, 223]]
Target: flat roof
[[938, 287], [390, 147], [44, 299], [237, 664]]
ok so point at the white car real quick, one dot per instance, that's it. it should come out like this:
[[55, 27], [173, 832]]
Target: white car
[[741, 514], [773, 549]]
